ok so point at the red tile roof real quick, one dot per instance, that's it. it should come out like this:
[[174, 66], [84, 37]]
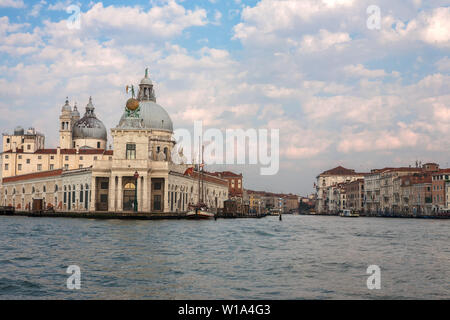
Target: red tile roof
[[339, 171], [226, 174], [35, 175]]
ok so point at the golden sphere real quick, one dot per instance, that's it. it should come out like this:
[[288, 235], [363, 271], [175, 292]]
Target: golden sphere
[[132, 104]]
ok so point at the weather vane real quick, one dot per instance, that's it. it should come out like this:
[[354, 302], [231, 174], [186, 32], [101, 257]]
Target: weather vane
[[132, 90]]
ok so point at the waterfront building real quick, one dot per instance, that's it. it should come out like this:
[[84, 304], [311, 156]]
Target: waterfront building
[[438, 188], [422, 196], [235, 184], [329, 178], [355, 194], [372, 190], [82, 175], [390, 200]]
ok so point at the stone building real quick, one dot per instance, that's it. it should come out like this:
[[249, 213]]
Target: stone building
[[82, 175], [438, 188], [329, 178], [355, 194]]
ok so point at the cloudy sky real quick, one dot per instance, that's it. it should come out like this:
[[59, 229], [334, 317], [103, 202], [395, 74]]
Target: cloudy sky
[[340, 93]]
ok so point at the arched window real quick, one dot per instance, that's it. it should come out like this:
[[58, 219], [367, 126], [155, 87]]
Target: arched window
[[130, 186]]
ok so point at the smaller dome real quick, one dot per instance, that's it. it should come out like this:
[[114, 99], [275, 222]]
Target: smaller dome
[[132, 104], [19, 131], [66, 106], [89, 127], [75, 112]]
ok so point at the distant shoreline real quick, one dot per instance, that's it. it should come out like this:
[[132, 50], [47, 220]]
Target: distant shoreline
[[382, 216]]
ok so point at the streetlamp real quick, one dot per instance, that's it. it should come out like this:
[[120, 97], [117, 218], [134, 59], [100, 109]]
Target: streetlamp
[[136, 176]]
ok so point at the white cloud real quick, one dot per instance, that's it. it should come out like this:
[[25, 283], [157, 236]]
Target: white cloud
[[360, 71], [323, 41], [12, 4]]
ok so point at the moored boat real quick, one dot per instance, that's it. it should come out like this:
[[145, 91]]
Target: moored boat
[[349, 213], [199, 212]]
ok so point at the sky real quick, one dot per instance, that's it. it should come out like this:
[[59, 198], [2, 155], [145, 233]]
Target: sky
[[340, 88]]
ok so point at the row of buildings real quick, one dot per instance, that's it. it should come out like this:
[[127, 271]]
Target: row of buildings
[[420, 190], [137, 175], [83, 174]]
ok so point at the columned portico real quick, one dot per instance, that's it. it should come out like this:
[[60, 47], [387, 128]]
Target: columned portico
[[119, 194], [92, 200], [139, 193], [146, 196], [112, 194]]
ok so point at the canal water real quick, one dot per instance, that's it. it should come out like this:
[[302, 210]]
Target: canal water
[[300, 257]]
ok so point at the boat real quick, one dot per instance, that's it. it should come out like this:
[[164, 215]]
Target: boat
[[349, 213], [200, 210]]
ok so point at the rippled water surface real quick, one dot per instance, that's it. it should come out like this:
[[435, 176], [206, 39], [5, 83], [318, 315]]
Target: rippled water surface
[[301, 257]]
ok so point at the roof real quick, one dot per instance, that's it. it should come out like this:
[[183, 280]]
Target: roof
[[68, 151], [36, 175], [441, 171], [338, 171], [226, 174]]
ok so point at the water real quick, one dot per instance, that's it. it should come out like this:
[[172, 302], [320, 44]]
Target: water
[[301, 257]]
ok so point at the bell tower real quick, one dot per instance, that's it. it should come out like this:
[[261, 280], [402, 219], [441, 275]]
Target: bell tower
[[65, 126]]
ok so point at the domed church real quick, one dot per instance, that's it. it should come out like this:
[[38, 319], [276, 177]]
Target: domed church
[[137, 176]]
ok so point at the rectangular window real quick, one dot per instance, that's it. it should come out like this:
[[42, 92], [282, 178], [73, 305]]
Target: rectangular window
[[6, 156], [28, 147], [66, 167], [67, 158], [157, 186], [52, 167], [95, 158], [7, 140], [39, 167], [81, 157], [131, 151], [6, 166], [80, 166], [20, 157], [19, 167], [39, 157], [98, 145], [52, 157], [104, 185], [28, 161]]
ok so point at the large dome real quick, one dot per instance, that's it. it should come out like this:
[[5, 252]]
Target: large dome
[[149, 114], [89, 127], [152, 116]]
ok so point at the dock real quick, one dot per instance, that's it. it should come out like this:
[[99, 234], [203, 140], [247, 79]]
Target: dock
[[119, 215]]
